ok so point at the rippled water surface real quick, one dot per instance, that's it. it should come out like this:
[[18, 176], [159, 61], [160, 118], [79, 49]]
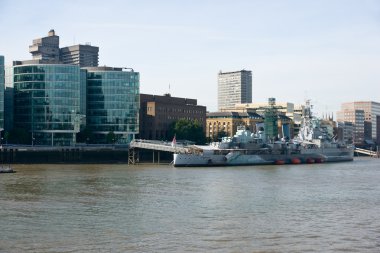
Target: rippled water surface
[[120, 208]]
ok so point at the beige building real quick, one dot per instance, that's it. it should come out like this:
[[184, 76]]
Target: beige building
[[220, 124], [290, 110]]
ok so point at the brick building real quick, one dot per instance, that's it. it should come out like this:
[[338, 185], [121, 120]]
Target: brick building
[[158, 112]]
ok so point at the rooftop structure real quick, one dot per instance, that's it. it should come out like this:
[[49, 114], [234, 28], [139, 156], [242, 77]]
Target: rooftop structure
[[82, 55], [46, 48]]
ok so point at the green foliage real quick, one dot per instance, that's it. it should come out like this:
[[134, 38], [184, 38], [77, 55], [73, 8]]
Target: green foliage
[[19, 136], [221, 134], [190, 130], [85, 136], [111, 137], [6, 136]]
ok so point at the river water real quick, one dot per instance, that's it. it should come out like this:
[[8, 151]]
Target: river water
[[157, 208]]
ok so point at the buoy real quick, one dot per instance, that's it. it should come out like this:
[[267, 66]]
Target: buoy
[[310, 160], [279, 162], [319, 160], [296, 161]]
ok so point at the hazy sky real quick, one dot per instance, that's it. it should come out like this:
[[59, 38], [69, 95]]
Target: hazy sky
[[327, 51]]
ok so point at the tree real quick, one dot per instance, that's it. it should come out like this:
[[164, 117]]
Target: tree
[[85, 136], [20, 136], [220, 135], [190, 130], [6, 137], [111, 137]]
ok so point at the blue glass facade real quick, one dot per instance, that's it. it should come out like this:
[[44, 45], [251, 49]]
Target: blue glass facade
[[2, 87], [112, 103], [47, 102]]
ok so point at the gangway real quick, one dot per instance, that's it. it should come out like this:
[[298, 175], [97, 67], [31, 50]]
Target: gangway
[[154, 146], [157, 145], [367, 152]]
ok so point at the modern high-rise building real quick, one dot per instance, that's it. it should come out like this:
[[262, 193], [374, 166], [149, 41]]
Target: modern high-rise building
[[112, 104], [234, 88], [53, 97], [356, 117], [46, 49], [82, 55], [346, 132], [8, 99], [371, 111], [47, 102], [8, 108], [2, 87]]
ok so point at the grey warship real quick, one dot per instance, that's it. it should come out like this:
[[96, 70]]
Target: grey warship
[[312, 145]]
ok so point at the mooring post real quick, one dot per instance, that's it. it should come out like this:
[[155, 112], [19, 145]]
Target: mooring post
[[131, 156]]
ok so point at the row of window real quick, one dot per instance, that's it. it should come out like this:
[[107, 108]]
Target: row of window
[[71, 103], [46, 77], [44, 126], [179, 110], [109, 75], [110, 91], [47, 69], [114, 128], [46, 86]]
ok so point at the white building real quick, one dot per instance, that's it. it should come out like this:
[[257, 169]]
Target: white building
[[234, 88]]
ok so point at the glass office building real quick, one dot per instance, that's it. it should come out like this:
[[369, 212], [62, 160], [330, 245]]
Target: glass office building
[[47, 102], [112, 104], [2, 87]]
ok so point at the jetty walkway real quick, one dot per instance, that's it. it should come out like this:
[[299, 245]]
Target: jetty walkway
[[367, 152], [155, 146]]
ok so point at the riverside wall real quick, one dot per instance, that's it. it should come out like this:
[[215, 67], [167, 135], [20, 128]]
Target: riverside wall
[[74, 155]]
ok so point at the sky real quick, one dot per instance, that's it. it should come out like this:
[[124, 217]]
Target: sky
[[327, 51]]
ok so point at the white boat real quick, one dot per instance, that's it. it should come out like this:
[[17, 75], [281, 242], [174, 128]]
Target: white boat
[[7, 170]]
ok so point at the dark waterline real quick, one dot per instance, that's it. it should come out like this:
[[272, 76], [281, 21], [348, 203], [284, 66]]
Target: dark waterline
[[119, 208]]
